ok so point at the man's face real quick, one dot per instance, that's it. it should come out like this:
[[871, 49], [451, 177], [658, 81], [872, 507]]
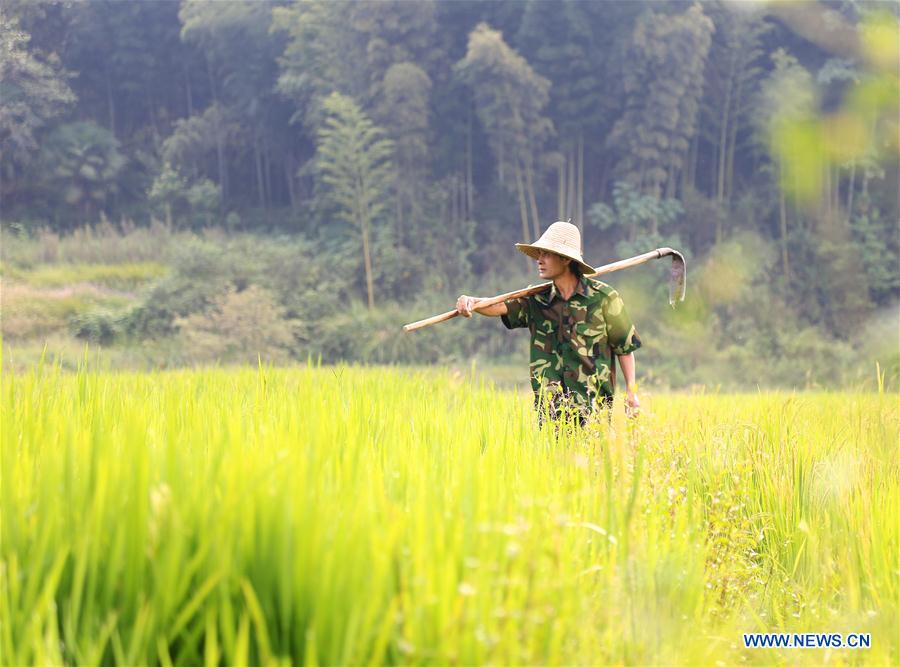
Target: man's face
[[552, 266]]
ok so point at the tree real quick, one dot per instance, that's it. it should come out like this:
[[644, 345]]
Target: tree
[[787, 95], [354, 171], [243, 83], [322, 55], [576, 46], [879, 243], [405, 110], [635, 214], [509, 100], [803, 146], [393, 32], [128, 56], [79, 167], [179, 196], [349, 48], [663, 82], [33, 92], [733, 75], [195, 140]]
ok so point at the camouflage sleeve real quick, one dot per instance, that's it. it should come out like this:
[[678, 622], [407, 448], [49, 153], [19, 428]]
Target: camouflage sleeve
[[516, 313], [621, 334]]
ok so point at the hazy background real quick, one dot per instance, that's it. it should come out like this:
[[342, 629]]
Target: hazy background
[[195, 182]]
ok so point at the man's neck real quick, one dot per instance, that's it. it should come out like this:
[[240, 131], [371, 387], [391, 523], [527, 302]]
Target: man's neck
[[566, 284]]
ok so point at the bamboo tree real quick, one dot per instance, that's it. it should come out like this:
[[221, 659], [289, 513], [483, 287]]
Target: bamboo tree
[[354, 170], [732, 78], [663, 83], [782, 227], [509, 101], [785, 94], [570, 43], [404, 107]]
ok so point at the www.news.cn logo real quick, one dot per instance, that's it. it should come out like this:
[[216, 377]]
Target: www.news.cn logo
[[806, 640]]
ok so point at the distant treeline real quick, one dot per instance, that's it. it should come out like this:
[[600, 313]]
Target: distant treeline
[[416, 141]]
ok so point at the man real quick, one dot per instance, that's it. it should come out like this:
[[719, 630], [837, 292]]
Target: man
[[576, 326]]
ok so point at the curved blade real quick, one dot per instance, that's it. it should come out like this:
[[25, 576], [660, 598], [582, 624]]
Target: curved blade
[[677, 278]]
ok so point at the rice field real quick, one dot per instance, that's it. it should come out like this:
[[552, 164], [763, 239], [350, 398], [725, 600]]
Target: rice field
[[350, 516]]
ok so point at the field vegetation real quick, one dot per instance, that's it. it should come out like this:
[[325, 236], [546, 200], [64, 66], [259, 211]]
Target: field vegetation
[[345, 515]]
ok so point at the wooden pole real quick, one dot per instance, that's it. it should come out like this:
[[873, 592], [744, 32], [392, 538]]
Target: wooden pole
[[484, 303]]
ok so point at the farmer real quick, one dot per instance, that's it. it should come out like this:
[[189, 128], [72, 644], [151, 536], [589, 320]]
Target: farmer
[[576, 326]]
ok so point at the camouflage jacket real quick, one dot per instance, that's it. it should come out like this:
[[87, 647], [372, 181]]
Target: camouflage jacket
[[572, 341]]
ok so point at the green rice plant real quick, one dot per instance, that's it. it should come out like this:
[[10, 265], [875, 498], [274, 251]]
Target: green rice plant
[[348, 515]]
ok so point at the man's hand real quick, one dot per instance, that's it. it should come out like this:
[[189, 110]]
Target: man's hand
[[465, 304], [632, 404]]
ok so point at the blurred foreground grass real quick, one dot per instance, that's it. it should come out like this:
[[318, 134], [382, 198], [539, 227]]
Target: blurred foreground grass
[[348, 515]]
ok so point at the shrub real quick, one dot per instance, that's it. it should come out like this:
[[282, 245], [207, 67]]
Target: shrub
[[97, 326], [201, 271], [179, 198], [28, 312], [237, 327]]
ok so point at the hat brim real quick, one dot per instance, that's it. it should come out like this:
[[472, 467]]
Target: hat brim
[[533, 250]]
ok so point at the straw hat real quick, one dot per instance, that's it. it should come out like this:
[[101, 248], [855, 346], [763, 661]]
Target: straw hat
[[564, 239]]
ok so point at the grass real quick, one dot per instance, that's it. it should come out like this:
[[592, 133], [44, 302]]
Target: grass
[[119, 276], [32, 313], [38, 302], [102, 243], [349, 515]]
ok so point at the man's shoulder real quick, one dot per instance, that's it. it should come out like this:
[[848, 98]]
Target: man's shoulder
[[599, 289], [538, 299]]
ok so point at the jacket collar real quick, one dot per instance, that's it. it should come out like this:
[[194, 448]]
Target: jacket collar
[[547, 297]]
